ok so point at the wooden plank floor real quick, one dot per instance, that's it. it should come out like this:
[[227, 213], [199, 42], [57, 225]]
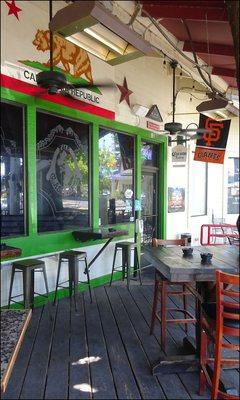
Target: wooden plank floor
[[101, 351]]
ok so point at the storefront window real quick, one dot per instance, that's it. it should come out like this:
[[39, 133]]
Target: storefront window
[[12, 170], [116, 162], [233, 185], [62, 173]]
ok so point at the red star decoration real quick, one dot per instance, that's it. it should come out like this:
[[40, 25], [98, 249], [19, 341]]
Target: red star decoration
[[13, 9], [125, 92]]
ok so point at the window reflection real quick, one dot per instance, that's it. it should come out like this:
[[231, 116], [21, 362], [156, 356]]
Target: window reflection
[[62, 173], [116, 162], [149, 154], [12, 170]]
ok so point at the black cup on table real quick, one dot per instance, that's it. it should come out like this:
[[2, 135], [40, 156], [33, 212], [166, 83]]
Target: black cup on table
[[206, 258], [187, 251]]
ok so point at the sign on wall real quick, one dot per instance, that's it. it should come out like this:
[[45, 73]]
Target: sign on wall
[[211, 147], [179, 153], [176, 199], [154, 114], [153, 126], [26, 51]]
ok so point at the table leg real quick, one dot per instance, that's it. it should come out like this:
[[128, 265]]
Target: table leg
[[98, 254]]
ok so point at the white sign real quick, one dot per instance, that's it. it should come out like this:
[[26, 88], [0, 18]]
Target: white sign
[[179, 153]]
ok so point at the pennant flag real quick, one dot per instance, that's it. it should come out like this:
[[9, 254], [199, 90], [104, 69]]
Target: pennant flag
[[211, 147]]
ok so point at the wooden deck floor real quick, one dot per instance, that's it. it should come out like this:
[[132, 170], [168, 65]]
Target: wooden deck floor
[[102, 351]]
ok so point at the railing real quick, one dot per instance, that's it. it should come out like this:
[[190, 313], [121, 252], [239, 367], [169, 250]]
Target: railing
[[210, 237]]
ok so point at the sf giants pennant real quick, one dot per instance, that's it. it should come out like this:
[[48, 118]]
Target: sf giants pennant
[[211, 147]]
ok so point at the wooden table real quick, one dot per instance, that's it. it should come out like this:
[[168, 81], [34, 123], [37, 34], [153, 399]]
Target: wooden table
[[169, 261], [98, 234], [7, 252], [13, 327]]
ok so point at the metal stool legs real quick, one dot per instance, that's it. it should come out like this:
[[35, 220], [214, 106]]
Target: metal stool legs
[[72, 258], [126, 262], [113, 265], [88, 279], [28, 268], [11, 285]]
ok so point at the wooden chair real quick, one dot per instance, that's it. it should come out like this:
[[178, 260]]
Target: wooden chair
[[219, 319], [161, 293]]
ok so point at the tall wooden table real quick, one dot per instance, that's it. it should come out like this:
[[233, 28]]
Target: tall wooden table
[[169, 261]]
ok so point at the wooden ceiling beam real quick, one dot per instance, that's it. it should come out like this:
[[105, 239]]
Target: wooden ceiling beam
[[211, 48], [224, 72], [191, 12]]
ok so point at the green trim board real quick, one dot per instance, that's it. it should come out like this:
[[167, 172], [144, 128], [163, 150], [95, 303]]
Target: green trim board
[[35, 243]]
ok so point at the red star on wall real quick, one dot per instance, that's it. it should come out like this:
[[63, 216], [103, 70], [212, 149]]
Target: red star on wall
[[13, 9], [125, 92]]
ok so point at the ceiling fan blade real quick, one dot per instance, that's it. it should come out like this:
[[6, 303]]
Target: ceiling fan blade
[[196, 135], [39, 94], [65, 93], [163, 131], [90, 85], [198, 130]]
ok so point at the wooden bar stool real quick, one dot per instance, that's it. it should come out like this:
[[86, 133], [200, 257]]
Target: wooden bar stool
[[219, 319], [28, 269], [161, 293], [126, 248], [73, 257]]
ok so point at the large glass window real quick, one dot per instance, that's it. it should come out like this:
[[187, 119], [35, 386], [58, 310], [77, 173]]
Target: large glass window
[[198, 188], [12, 170], [233, 185], [116, 162], [62, 173]]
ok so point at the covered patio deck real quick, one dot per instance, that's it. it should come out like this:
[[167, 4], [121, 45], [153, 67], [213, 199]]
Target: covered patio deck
[[102, 351]]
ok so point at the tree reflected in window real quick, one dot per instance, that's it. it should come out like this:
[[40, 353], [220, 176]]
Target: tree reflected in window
[[62, 173], [12, 170], [116, 162]]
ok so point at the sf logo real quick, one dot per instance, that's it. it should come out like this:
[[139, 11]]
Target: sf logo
[[214, 131]]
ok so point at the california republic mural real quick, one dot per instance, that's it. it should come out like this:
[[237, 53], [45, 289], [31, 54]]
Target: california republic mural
[[25, 50], [69, 58]]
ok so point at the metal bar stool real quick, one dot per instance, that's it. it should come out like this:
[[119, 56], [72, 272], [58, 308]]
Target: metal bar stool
[[28, 269], [72, 257], [126, 248]]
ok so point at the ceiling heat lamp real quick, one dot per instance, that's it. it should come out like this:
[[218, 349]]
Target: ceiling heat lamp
[[218, 109], [90, 26]]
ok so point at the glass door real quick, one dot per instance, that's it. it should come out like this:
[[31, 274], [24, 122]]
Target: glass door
[[149, 206]]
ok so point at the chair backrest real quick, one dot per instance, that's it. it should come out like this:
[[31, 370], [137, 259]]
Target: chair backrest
[[228, 307], [169, 242]]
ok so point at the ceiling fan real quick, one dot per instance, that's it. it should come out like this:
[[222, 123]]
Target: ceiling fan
[[55, 82], [175, 128]]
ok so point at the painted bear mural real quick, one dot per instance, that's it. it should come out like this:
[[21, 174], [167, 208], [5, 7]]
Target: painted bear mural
[[66, 53]]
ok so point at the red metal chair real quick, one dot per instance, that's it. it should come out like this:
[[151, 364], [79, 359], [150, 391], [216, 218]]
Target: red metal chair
[[219, 319], [161, 293]]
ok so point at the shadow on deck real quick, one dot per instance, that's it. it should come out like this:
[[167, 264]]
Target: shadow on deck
[[102, 351]]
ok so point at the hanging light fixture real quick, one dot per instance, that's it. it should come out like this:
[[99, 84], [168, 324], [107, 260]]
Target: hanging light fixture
[[90, 26], [218, 109]]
